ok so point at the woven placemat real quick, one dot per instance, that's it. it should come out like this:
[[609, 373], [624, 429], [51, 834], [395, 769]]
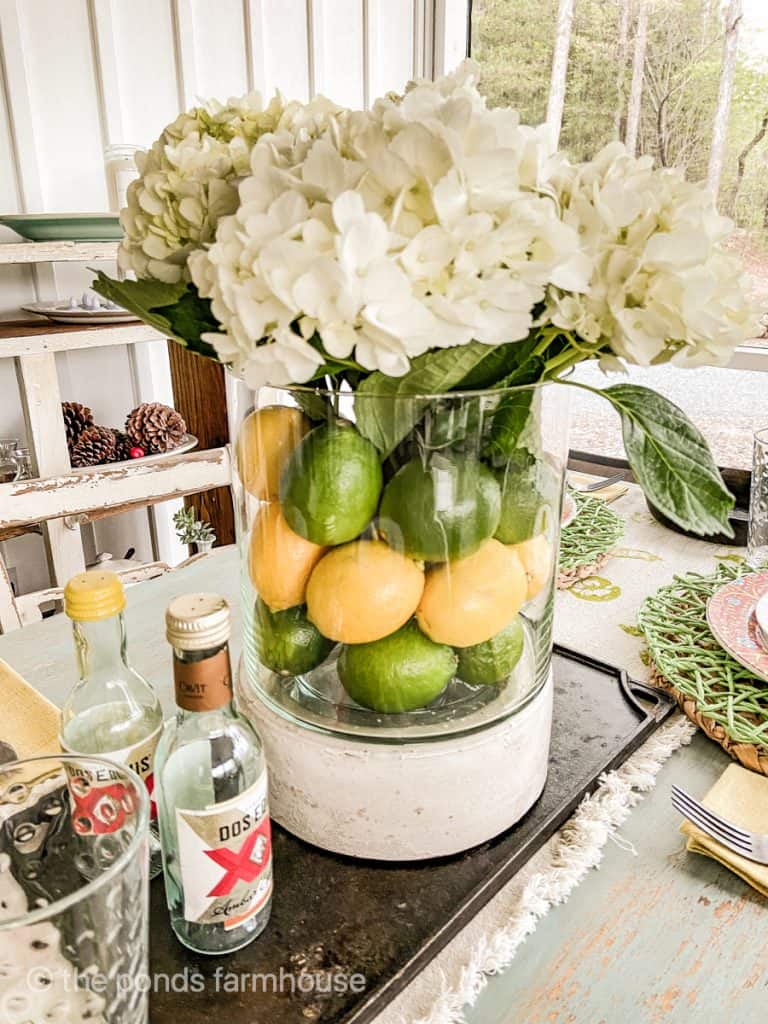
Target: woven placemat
[[585, 543], [715, 692]]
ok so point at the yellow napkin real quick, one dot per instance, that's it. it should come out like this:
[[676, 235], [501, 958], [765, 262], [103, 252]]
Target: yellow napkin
[[29, 722], [606, 494], [739, 796]]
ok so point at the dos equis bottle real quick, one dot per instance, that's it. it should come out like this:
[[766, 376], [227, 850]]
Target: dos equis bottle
[[211, 791]]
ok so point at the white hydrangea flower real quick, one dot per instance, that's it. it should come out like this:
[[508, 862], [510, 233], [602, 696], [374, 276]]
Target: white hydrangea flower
[[188, 180], [428, 222], [662, 288]]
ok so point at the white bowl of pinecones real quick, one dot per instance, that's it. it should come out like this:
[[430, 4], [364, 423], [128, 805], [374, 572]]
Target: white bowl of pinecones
[[152, 430]]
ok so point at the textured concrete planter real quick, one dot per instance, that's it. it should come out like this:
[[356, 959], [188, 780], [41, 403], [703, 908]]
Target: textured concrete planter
[[402, 801]]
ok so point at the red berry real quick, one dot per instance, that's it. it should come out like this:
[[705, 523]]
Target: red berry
[[136, 452]]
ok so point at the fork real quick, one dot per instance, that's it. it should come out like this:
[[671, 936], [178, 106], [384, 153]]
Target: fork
[[748, 844], [598, 485]]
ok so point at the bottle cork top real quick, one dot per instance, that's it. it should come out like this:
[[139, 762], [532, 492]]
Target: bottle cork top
[[197, 622], [92, 596]]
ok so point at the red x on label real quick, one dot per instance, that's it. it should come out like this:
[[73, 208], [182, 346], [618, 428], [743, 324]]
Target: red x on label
[[245, 864]]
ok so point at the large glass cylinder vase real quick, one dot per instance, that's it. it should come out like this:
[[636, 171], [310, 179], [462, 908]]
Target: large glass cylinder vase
[[398, 561]]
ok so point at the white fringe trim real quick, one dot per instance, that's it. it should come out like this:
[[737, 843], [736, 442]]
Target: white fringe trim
[[578, 848]]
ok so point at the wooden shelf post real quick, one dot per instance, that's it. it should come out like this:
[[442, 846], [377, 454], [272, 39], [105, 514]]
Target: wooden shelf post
[[199, 394], [41, 402]]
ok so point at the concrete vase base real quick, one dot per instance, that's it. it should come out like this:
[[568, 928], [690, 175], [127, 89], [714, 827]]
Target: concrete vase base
[[402, 801]]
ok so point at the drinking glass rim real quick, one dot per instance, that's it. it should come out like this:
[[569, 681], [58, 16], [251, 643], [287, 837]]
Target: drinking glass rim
[[761, 435], [86, 891]]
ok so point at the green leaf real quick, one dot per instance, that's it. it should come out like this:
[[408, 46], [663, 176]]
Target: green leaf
[[189, 318], [509, 423], [139, 295], [671, 460], [505, 365], [313, 404], [176, 310], [386, 407]]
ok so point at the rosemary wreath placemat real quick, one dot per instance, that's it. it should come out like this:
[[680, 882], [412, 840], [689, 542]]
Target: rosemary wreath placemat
[[586, 542], [716, 692]]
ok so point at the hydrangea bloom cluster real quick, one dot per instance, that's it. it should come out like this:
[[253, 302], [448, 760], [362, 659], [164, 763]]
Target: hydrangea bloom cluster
[[662, 287], [429, 222], [188, 180], [370, 237]]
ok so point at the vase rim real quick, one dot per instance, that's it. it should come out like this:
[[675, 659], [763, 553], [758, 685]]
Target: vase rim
[[467, 393]]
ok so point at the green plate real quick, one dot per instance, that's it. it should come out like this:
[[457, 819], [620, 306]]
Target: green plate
[[65, 227]]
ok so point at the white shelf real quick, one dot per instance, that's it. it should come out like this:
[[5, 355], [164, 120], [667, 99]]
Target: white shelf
[[34, 337], [56, 252], [102, 490]]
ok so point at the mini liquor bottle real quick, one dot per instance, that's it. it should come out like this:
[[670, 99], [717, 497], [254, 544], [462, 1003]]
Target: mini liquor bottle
[[211, 791], [111, 710]]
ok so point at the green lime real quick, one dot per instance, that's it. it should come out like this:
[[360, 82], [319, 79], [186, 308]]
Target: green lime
[[440, 510], [401, 672], [492, 661], [331, 484], [524, 510], [288, 642]]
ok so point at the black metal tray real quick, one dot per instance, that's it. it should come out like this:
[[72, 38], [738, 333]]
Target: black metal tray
[[335, 919]]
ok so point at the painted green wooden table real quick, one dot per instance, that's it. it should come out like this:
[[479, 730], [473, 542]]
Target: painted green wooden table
[[653, 935]]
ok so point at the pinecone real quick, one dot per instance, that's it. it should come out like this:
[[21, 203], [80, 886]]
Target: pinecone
[[95, 446], [155, 427], [76, 418], [123, 445]]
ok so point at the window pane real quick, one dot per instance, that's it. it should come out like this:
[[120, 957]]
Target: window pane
[[676, 52], [728, 406]]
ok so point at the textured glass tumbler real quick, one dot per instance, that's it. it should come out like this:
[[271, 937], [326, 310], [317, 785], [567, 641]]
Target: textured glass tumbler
[[73, 892], [757, 539]]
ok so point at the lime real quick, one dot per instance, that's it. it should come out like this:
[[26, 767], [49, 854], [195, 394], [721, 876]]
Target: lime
[[523, 514], [440, 510], [288, 642], [331, 484], [527, 493], [402, 672], [492, 661]]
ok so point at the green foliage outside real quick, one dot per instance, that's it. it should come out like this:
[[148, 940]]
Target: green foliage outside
[[513, 41]]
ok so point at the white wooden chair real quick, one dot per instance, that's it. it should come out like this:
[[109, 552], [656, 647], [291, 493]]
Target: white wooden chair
[[28, 607]]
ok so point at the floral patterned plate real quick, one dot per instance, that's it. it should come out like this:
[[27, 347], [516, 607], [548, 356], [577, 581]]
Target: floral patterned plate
[[731, 617], [570, 510]]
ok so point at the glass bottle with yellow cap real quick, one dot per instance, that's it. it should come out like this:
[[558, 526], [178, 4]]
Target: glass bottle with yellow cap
[[111, 710], [211, 791]]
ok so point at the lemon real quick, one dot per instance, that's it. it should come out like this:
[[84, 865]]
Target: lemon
[[470, 600], [440, 510], [279, 560], [536, 555], [363, 591], [491, 661], [331, 484], [288, 643], [401, 672], [267, 438]]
